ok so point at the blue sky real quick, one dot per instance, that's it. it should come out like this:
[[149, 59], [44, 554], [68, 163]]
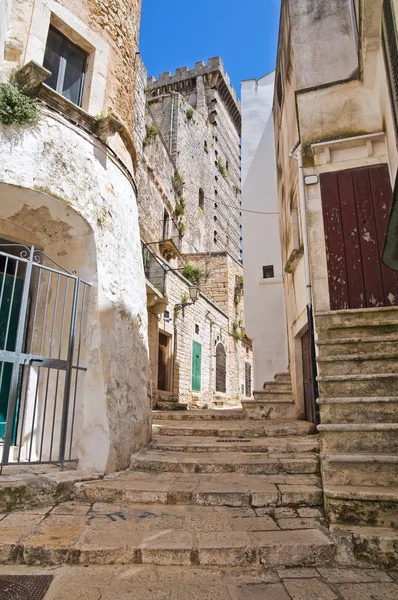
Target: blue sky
[[177, 33]]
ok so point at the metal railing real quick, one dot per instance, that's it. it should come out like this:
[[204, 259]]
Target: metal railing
[[154, 270], [42, 310]]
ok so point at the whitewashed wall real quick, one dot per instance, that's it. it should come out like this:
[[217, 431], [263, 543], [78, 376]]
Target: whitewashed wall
[[265, 314]]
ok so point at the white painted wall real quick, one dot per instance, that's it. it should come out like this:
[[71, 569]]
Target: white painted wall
[[5, 12], [265, 315]]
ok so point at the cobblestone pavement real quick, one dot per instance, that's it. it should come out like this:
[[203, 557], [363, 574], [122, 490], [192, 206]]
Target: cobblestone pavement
[[181, 583]]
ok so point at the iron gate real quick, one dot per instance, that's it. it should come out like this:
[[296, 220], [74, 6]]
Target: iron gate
[[42, 309]]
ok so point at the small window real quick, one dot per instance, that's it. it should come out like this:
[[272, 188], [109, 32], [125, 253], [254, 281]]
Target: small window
[[216, 192], [268, 272], [215, 236], [201, 199], [215, 217], [67, 63], [227, 164], [206, 149], [197, 328], [215, 205], [166, 315], [216, 177]]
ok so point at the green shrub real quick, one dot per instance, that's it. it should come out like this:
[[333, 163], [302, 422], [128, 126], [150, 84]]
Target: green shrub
[[192, 273], [179, 209], [152, 131], [190, 113], [182, 227], [177, 182], [221, 167], [17, 107], [238, 331]]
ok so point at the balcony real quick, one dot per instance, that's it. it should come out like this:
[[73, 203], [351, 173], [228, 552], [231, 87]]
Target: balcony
[[155, 275], [170, 246]]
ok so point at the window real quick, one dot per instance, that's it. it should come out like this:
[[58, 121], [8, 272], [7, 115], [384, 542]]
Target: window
[[196, 328], [201, 199], [205, 146], [268, 272], [67, 63], [215, 236]]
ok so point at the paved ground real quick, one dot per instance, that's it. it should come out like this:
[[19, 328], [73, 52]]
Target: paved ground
[[181, 583]]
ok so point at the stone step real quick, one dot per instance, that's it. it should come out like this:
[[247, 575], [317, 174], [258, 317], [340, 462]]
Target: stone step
[[356, 364], [383, 345], [357, 438], [380, 384], [225, 462], [200, 414], [233, 429], [359, 410], [362, 317], [105, 534], [362, 505], [279, 386], [220, 489], [170, 406], [256, 409], [283, 378], [360, 469], [376, 546], [273, 396], [269, 445]]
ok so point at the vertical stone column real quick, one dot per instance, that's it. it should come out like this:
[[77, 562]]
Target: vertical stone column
[[201, 105]]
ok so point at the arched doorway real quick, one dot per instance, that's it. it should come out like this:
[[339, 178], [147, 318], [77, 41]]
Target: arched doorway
[[221, 369]]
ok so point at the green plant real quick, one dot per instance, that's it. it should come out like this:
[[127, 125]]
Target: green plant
[[221, 167], [236, 189], [192, 273], [182, 228], [152, 131], [190, 113], [238, 331], [177, 182], [179, 209], [184, 298], [100, 116], [17, 107]]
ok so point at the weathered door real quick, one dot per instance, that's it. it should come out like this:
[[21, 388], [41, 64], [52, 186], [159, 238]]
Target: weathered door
[[163, 363], [196, 367], [221, 369], [356, 205], [308, 382]]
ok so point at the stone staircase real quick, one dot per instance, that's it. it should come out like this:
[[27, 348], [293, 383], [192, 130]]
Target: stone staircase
[[212, 489], [358, 389], [275, 401]]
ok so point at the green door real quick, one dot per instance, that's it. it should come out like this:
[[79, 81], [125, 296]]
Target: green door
[[196, 367], [9, 316]]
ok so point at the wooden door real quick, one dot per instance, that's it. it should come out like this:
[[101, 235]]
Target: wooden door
[[356, 205], [308, 380], [248, 380], [196, 367]]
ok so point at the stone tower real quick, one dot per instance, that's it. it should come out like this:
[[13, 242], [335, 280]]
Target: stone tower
[[199, 115]]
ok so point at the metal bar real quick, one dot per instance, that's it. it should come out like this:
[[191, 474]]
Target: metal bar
[[35, 313], [61, 335], [10, 309], [1, 301], [12, 397], [48, 372], [68, 378], [77, 367]]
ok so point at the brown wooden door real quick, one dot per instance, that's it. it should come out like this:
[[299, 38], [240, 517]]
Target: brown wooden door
[[308, 381], [163, 363], [356, 205], [221, 369]]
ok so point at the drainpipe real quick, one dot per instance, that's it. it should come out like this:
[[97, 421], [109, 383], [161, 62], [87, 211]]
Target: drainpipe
[[297, 154]]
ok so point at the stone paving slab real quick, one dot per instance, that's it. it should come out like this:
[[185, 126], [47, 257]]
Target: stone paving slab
[[105, 533], [141, 582]]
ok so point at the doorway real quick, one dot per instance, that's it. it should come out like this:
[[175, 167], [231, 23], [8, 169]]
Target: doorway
[[308, 379], [356, 206], [164, 363], [221, 369]]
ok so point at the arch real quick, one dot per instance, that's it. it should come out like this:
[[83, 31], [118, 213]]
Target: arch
[[221, 369]]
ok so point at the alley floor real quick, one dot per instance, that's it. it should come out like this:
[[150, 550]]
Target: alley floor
[[218, 507]]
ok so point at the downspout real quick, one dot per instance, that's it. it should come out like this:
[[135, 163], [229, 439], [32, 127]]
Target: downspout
[[297, 154]]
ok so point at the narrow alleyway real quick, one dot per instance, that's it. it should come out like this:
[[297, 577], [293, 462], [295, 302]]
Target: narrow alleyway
[[218, 507]]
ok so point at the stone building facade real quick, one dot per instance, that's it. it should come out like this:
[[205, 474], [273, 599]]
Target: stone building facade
[[336, 136], [189, 206], [67, 187]]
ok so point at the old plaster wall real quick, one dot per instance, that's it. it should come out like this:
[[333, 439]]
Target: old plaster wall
[[113, 417], [5, 13]]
